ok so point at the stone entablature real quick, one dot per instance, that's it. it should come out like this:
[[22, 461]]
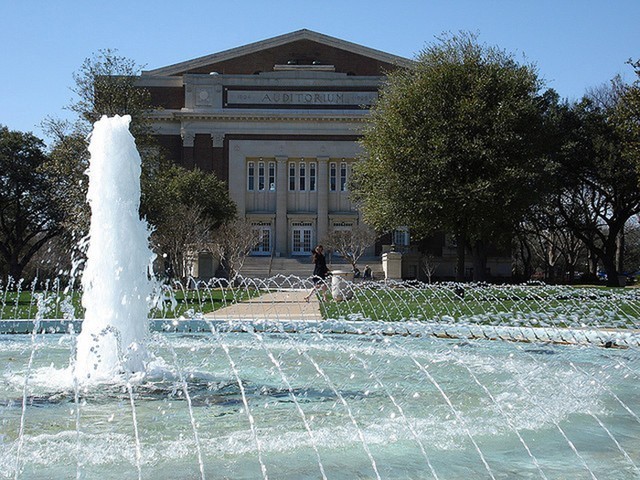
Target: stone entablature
[[333, 91], [288, 97]]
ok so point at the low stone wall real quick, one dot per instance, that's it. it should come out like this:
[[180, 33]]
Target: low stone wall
[[573, 336]]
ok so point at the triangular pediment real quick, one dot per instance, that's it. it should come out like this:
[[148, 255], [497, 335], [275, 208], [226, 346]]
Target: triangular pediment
[[302, 47]]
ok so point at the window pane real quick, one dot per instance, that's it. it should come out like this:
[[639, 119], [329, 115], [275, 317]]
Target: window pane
[[303, 176], [312, 177], [292, 176], [272, 176], [261, 176], [343, 177], [250, 176], [332, 177]]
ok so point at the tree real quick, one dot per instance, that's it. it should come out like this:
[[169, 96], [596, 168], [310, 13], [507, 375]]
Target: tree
[[601, 179], [106, 85], [350, 244], [231, 243], [29, 213], [544, 235], [626, 114], [185, 207], [455, 144], [429, 264], [68, 162]]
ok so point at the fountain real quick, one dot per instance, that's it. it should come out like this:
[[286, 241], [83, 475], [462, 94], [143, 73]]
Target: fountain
[[401, 381], [116, 287]]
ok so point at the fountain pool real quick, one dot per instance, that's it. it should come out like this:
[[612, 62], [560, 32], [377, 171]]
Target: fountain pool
[[314, 405]]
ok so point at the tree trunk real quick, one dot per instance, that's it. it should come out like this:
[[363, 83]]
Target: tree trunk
[[15, 269], [612, 273], [620, 248], [593, 263], [460, 253], [571, 271], [526, 261], [479, 261]]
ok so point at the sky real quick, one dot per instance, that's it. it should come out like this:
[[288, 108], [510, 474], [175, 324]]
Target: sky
[[576, 45]]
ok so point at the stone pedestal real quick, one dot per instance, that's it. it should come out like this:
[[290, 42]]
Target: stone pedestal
[[340, 289], [392, 265]]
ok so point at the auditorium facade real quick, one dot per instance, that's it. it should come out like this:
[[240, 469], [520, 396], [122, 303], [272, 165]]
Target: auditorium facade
[[279, 121]]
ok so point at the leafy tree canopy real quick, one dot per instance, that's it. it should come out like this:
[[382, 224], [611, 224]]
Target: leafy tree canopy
[[455, 143], [627, 117], [29, 211], [176, 186], [600, 190], [105, 85], [185, 207]]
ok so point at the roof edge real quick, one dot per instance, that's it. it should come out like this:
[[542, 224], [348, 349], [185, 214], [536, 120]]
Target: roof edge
[[303, 34]]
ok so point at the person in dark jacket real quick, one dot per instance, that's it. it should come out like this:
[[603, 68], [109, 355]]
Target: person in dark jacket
[[320, 273]]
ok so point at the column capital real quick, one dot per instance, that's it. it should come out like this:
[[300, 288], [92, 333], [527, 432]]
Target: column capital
[[188, 137], [217, 139], [322, 158], [281, 158]]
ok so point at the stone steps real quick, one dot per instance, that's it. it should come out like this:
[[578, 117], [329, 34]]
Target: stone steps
[[264, 267]]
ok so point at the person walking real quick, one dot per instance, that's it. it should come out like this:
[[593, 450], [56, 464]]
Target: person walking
[[320, 273]]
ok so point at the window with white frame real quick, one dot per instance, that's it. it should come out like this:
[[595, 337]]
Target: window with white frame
[[401, 236], [292, 176], [250, 176], [312, 177], [343, 177], [261, 176], [272, 176], [302, 177], [332, 177]]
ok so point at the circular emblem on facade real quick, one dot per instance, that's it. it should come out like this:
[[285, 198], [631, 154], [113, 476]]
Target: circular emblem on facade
[[203, 95]]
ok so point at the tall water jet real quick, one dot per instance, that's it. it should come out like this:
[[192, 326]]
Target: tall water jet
[[116, 279]]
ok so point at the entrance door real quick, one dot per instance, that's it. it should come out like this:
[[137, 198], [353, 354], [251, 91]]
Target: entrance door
[[263, 247], [301, 240]]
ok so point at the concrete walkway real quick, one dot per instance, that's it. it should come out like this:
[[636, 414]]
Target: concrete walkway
[[282, 305]]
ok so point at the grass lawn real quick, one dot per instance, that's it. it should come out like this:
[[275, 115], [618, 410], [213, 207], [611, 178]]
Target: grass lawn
[[26, 304], [560, 307], [483, 305]]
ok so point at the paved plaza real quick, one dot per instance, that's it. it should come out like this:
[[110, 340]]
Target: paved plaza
[[281, 305]]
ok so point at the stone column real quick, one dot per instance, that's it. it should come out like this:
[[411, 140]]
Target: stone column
[[281, 205], [219, 163], [323, 198], [188, 139]]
